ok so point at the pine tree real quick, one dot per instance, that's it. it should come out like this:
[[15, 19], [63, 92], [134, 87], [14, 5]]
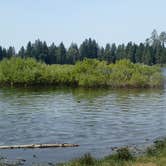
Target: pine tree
[[61, 54], [113, 53], [10, 52], [21, 53], [72, 54], [51, 57], [107, 53], [1, 53], [29, 50]]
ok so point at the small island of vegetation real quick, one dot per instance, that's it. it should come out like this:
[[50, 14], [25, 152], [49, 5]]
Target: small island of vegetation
[[87, 73]]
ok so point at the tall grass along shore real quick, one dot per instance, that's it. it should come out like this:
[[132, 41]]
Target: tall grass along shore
[[154, 156], [86, 73]]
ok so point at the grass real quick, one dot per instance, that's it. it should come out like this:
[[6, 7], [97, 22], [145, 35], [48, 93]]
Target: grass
[[154, 156], [87, 73]]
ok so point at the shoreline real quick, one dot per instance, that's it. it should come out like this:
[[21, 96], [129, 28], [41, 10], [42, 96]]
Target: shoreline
[[121, 156]]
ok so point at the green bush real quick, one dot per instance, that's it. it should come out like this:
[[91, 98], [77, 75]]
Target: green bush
[[87, 73]]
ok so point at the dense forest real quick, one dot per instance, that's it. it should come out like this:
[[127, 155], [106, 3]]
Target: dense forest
[[152, 51]]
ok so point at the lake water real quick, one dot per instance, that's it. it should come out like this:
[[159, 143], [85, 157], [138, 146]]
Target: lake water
[[97, 120]]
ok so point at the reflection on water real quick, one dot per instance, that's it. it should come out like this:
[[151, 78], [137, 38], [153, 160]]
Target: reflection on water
[[96, 119]]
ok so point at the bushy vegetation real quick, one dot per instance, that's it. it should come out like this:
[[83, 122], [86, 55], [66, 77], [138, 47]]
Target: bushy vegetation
[[17, 71], [87, 73]]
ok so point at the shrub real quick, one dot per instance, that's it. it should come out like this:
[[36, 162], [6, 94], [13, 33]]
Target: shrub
[[88, 73]]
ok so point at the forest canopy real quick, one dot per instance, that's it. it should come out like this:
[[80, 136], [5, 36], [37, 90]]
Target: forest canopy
[[150, 52]]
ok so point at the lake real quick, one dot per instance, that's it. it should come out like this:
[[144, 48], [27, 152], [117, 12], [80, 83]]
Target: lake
[[96, 119]]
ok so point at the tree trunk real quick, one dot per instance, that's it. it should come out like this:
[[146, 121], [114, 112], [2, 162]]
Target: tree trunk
[[31, 146]]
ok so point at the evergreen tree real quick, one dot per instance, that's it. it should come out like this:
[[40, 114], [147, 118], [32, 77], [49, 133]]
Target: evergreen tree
[[1, 53], [72, 54], [88, 49], [28, 51], [51, 57], [151, 52], [107, 53], [120, 53], [113, 53], [100, 53], [21, 52], [147, 56], [61, 54], [10, 52], [131, 52], [162, 38], [4, 52]]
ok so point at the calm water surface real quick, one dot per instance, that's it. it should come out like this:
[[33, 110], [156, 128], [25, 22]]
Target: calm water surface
[[95, 119]]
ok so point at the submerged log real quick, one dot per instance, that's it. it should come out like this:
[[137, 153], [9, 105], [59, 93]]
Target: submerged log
[[31, 146]]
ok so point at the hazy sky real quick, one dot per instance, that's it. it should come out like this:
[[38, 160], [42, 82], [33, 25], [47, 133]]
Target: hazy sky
[[74, 20]]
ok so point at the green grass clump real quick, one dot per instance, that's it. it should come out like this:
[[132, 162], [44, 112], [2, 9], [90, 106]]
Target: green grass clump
[[87, 159], [87, 73], [155, 157], [124, 154]]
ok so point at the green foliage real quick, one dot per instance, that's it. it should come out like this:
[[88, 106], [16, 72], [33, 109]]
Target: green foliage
[[88, 73], [158, 148], [18, 71], [91, 73], [87, 159], [124, 154]]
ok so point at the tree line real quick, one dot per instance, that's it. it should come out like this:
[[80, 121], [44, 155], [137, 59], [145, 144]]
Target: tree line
[[152, 51]]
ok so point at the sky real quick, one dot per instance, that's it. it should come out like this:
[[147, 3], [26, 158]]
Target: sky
[[106, 21]]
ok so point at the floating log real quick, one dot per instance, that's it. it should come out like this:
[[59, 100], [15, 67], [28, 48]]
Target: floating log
[[31, 146]]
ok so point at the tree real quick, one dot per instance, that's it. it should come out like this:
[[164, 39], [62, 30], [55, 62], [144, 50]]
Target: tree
[[107, 53], [10, 52], [147, 56], [43, 52], [1, 53], [158, 54], [4, 53], [162, 38], [88, 49], [113, 53], [28, 51], [61, 54], [131, 52], [21, 53], [72, 54], [139, 53], [100, 53], [154, 37], [51, 57], [120, 53]]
